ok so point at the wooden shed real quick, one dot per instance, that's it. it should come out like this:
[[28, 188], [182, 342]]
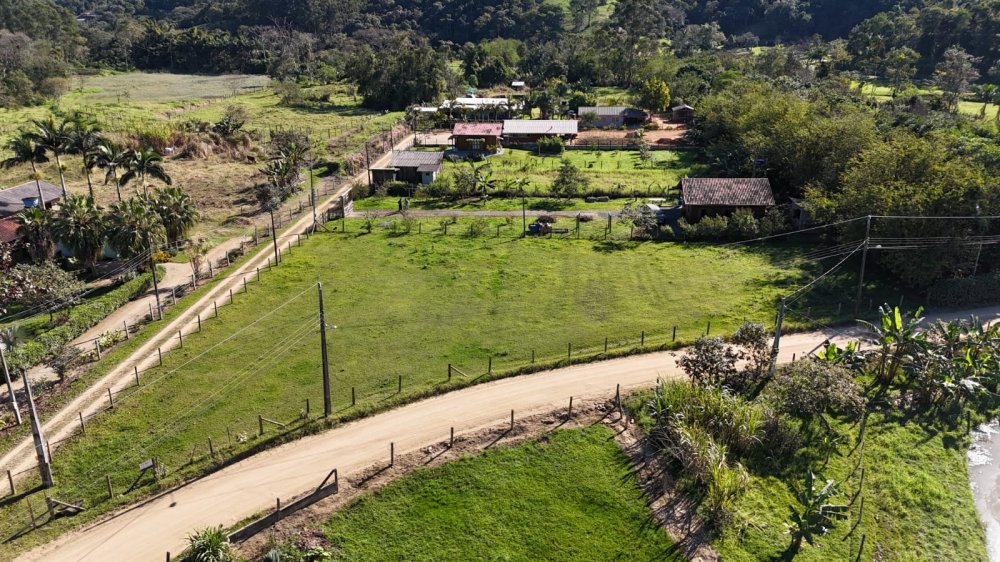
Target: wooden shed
[[477, 137], [723, 196]]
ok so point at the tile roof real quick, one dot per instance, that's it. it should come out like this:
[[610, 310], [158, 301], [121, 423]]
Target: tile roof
[[727, 192], [12, 198], [540, 127], [415, 159], [485, 129]]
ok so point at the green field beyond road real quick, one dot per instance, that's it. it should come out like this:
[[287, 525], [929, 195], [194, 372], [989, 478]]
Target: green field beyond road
[[571, 496]]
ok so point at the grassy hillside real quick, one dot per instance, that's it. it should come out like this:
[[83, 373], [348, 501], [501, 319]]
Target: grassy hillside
[[570, 496]]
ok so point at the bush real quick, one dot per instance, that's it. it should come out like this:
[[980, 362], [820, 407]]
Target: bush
[[811, 387], [551, 145], [79, 320], [968, 291], [440, 187], [708, 228], [360, 190], [742, 225], [209, 545]]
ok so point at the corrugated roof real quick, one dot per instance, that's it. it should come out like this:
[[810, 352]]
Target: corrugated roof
[[611, 111], [415, 159], [12, 198], [540, 127], [485, 129], [727, 192]]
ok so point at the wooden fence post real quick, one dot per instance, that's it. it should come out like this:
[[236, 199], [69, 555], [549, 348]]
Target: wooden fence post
[[512, 420], [180, 338], [449, 372], [199, 323], [569, 351], [392, 453], [159, 355], [489, 366], [10, 480], [605, 345], [569, 412], [674, 337], [216, 305], [83, 426], [260, 424], [97, 344], [111, 397], [642, 338], [451, 444], [399, 388], [127, 335], [211, 448], [135, 369], [708, 329], [111, 491], [352, 396]]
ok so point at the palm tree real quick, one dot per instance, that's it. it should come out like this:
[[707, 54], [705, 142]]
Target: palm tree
[[36, 228], [55, 138], [112, 159], [85, 140], [27, 151], [80, 226], [143, 164], [132, 225], [177, 210]]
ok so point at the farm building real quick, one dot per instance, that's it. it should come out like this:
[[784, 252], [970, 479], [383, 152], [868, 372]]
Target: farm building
[[477, 137], [15, 199], [517, 131], [481, 109], [723, 196], [611, 116], [683, 113], [411, 166]]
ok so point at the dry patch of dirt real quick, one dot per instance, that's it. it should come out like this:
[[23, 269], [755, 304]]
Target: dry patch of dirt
[[674, 512]]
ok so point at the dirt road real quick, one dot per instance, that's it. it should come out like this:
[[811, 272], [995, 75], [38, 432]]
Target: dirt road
[[225, 497], [64, 423]]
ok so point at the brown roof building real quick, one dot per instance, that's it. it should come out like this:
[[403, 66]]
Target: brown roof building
[[723, 196], [477, 137]]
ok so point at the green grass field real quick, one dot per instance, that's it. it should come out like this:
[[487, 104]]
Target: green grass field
[[917, 501], [403, 305], [571, 496], [621, 171], [491, 204], [884, 93]]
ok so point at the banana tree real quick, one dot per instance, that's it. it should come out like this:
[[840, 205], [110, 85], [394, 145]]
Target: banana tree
[[814, 515], [899, 340]]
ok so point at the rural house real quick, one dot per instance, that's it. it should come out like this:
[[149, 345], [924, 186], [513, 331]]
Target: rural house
[[15, 199], [410, 166], [723, 196], [477, 137], [517, 131], [683, 113], [611, 116]]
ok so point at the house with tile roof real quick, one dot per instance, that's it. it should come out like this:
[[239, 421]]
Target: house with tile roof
[[410, 166], [477, 137], [724, 196], [15, 199]]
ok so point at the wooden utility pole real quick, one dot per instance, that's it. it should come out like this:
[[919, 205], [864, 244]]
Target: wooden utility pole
[[156, 282], [327, 406], [524, 215], [864, 262], [10, 388], [312, 193], [274, 237], [368, 165], [42, 452], [777, 340]]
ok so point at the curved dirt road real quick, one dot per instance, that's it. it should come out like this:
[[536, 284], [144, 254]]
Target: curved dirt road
[[65, 422], [158, 526]]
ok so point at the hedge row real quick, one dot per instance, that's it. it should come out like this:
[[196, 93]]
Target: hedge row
[[80, 319], [969, 291]]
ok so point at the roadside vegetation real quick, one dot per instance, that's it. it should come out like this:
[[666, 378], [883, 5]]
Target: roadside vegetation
[[845, 455]]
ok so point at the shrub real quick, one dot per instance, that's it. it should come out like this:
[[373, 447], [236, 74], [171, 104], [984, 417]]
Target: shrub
[[478, 226], [551, 145], [79, 320], [209, 545], [809, 387], [968, 291], [360, 190], [742, 225], [708, 228], [440, 187], [710, 362]]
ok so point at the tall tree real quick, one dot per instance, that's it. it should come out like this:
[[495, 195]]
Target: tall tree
[[85, 141], [55, 137], [35, 226], [142, 165], [955, 74], [27, 151], [132, 224], [900, 66], [112, 159], [80, 225]]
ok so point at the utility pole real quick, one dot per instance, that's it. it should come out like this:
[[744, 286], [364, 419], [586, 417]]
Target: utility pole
[[524, 215], [44, 462], [10, 388], [327, 406], [864, 262], [368, 165], [156, 283], [777, 339], [274, 236], [312, 193]]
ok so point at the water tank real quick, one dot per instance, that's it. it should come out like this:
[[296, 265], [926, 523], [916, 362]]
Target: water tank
[[30, 202]]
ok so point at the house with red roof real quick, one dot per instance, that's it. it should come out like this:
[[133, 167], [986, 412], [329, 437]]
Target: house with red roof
[[724, 196], [477, 137]]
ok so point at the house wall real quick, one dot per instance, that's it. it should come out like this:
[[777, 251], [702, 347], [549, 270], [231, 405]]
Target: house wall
[[694, 213], [382, 176], [608, 121], [533, 138], [466, 142]]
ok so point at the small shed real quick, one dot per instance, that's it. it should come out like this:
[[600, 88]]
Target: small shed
[[612, 115], [410, 166], [516, 131], [683, 113], [477, 137], [723, 196]]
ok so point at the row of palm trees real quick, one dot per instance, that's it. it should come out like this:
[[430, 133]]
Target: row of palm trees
[[132, 226], [80, 136]]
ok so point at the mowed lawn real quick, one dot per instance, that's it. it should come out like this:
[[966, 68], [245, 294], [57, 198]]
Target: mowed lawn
[[403, 305], [608, 170], [571, 496]]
